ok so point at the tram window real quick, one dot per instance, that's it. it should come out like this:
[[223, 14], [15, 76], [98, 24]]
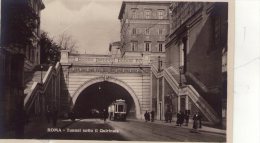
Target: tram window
[[120, 108]]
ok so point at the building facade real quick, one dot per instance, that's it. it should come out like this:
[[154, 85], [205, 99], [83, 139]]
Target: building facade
[[16, 58], [144, 26], [196, 48], [32, 53], [114, 49]]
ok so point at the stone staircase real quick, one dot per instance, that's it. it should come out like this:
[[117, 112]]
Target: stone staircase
[[172, 77], [176, 75], [30, 78], [39, 96], [197, 99]]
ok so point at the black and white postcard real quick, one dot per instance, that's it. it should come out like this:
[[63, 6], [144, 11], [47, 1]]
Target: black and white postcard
[[115, 70]]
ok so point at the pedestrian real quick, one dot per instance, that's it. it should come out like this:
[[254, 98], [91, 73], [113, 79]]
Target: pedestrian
[[187, 116], [170, 116], [146, 114], [195, 121], [105, 115], [166, 116], [178, 122], [199, 118], [152, 116], [181, 118]]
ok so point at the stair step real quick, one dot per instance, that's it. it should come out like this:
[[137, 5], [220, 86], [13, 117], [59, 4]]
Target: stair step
[[31, 78], [197, 99]]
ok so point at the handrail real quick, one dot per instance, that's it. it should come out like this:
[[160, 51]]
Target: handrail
[[38, 87], [206, 109], [34, 86]]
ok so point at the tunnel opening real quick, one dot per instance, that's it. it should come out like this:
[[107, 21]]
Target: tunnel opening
[[98, 96]]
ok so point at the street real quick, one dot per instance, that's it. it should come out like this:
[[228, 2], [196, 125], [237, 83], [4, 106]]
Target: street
[[131, 130]]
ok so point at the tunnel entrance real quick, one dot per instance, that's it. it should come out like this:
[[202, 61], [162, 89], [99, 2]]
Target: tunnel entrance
[[98, 96]]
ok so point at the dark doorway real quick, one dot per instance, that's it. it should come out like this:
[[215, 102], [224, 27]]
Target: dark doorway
[[183, 103], [99, 96]]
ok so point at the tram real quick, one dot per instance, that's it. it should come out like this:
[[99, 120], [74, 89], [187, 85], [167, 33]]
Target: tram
[[117, 110]]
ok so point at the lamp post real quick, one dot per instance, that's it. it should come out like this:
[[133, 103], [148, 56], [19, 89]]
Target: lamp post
[[180, 71], [41, 73], [159, 63], [100, 96]]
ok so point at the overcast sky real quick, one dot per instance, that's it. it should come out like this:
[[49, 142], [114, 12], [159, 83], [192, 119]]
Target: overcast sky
[[92, 23]]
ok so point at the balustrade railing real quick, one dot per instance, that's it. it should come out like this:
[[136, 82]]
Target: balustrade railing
[[108, 60], [199, 101], [169, 75], [44, 96]]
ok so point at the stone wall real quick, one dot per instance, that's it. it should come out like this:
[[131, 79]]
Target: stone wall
[[138, 82]]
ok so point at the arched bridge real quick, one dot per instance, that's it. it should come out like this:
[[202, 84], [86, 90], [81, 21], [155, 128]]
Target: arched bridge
[[100, 79], [88, 83]]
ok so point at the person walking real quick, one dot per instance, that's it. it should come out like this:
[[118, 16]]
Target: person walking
[[199, 119], [166, 116], [187, 116], [146, 114], [170, 116], [152, 116], [195, 121], [105, 115], [181, 118], [178, 122]]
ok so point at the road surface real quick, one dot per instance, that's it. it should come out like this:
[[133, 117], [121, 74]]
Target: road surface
[[133, 130]]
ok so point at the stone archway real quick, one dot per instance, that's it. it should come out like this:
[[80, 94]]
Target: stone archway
[[112, 80]]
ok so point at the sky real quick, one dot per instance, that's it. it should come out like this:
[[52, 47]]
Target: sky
[[93, 24]]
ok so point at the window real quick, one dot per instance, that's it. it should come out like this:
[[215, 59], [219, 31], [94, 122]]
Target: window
[[120, 108], [160, 14], [134, 45], [134, 13], [147, 31], [147, 14], [134, 31], [147, 46], [160, 47], [160, 31]]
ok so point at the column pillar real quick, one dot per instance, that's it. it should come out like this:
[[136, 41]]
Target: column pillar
[[158, 101], [179, 103], [163, 103], [186, 102], [64, 56]]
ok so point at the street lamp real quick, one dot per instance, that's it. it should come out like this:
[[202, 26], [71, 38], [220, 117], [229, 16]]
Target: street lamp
[[41, 73], [159, 63], [180, 71]]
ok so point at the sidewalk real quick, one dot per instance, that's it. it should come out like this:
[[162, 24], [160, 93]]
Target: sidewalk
[[190, 124]]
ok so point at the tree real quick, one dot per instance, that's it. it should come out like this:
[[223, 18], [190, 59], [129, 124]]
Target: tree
[[66, 42], [19, 24], [50, 51]]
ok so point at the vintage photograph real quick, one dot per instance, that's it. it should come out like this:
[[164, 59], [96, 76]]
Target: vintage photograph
[[114, 70]]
